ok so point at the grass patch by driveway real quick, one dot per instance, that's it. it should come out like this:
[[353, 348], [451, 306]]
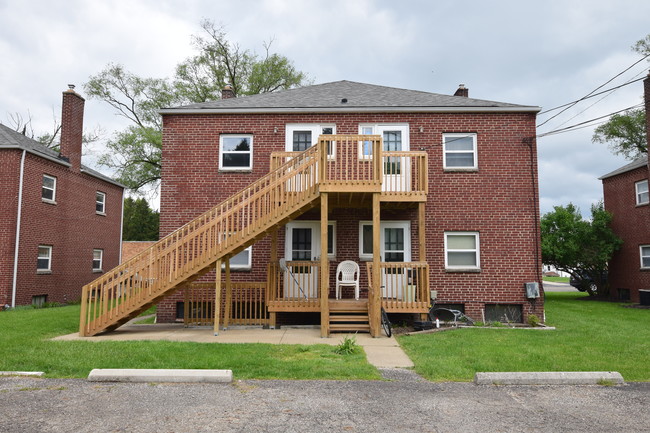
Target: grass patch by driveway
[[556, 279], [590, 336], [26, 347]]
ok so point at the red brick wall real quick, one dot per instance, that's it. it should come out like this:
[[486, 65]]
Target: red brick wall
[[9, 179], [71, 226], [500, 200], [632, 224]]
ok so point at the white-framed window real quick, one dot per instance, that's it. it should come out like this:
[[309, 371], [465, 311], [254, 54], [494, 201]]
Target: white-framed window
[[644, 253], [241, 260], [100, 203], [302, 136], [98, 259], [236, 152], [48, 190], [462, 250], [642, 195], [395, 241], [395, 137], [44, 261], [459, 151]]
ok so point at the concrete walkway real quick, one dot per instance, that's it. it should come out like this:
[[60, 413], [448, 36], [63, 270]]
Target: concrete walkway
[[382, 352]]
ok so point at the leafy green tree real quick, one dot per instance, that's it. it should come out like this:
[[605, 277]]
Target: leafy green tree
[[626, 133], [580, 247], [140, 221], [135, 153]]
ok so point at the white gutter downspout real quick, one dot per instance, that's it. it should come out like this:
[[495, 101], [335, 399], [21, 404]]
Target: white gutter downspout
[[20, 210], [119, 262]]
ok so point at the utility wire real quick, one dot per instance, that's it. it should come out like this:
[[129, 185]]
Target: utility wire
[[569, 128], [593, 91]]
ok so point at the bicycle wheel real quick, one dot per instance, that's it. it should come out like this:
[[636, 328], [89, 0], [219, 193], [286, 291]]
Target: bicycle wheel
[[385, 323]]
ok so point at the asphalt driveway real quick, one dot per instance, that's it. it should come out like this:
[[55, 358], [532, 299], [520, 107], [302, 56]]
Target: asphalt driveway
[[75, 405]]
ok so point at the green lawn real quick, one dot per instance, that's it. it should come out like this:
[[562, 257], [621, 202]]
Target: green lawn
[[26, 347], [590, 336], [556, 279]]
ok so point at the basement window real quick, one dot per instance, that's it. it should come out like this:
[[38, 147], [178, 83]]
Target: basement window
[[503, 313], [39, 300]]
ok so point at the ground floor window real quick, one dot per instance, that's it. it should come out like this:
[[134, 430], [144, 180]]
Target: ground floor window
[[98, 259], [462, 250], [44, 260], [241, 260], [645, 256], [503, 313]]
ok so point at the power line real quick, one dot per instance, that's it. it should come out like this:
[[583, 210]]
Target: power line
[[594, 95], [593, 91], [569, 128]]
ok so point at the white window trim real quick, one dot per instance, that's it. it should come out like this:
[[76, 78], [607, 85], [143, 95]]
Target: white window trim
[[379, 129], [103, 202], [250, 138], [638, 194], [641, 256], [314, 225], [49, 259], [477, 251], [405, 224], [246, 266], [53, 199], [101, 260], [315, 128], [445, 151]]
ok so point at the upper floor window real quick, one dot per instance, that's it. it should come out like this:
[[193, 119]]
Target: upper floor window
[[459, 151], [100, 203], [48, 191], [395, 137], [44, 260], [642, 196], [302, 136], [98, 258], [236, 152], [462, 250], [645, 256]]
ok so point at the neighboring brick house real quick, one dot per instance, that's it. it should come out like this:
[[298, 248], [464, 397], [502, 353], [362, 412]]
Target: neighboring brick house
[[448, 209], [60, 222], [627, 198]]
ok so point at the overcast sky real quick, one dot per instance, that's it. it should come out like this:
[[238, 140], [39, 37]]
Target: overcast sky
[[543, 53]]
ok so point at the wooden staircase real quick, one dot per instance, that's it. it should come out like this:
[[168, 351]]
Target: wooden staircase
[[196, 248], [349, 315]]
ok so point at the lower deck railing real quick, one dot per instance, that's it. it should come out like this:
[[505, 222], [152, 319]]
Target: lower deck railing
[[246, 305], [294, 287], [404, 286]]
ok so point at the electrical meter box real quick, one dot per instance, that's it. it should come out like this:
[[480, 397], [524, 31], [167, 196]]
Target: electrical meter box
[[532, 290]]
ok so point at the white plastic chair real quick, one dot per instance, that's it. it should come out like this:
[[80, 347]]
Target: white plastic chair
[[347, 274]]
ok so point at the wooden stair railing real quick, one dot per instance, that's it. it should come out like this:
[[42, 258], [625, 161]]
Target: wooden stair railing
[[192, 250]]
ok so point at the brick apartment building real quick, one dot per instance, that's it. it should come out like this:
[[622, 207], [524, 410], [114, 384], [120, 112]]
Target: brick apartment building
[[60, 221], [430, 194], [626, 197]]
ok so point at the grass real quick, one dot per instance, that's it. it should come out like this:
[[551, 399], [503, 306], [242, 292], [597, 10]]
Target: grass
[[590, 336], [556, 279], [26, 346]]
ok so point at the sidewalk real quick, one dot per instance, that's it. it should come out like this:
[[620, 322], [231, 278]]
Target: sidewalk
[[382, 352]]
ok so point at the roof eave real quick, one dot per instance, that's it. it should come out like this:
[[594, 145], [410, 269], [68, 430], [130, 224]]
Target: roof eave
[[103, 177], [34, 152], [302, 110]]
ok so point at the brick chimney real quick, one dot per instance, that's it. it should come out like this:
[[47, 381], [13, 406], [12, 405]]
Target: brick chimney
[[462, 91], [72, 120], [227, 92]]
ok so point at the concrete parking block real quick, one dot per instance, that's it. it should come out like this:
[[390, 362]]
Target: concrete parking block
[[550, 378], [22, 373], [159, 375]]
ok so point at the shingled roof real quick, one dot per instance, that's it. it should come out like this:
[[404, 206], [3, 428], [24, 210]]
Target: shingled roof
[[347, 96], [10, 139], [637, 163]]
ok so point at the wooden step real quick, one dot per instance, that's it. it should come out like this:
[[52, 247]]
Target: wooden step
[[349, 318], [349, 327], [348, 305]]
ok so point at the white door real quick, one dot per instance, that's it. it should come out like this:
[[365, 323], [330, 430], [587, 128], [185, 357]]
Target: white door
[[397, 170], [300, 137], [396, 247], [302, 244]]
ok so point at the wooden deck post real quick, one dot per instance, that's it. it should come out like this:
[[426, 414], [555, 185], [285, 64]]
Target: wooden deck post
[[217, 297], [422, 252], [324, 269], [376, 271], [269, 285], [227, 312]]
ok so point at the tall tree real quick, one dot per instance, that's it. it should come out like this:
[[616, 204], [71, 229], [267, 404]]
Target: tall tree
[[135, 153], [625, 133], [140, 221], [580, 247]]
